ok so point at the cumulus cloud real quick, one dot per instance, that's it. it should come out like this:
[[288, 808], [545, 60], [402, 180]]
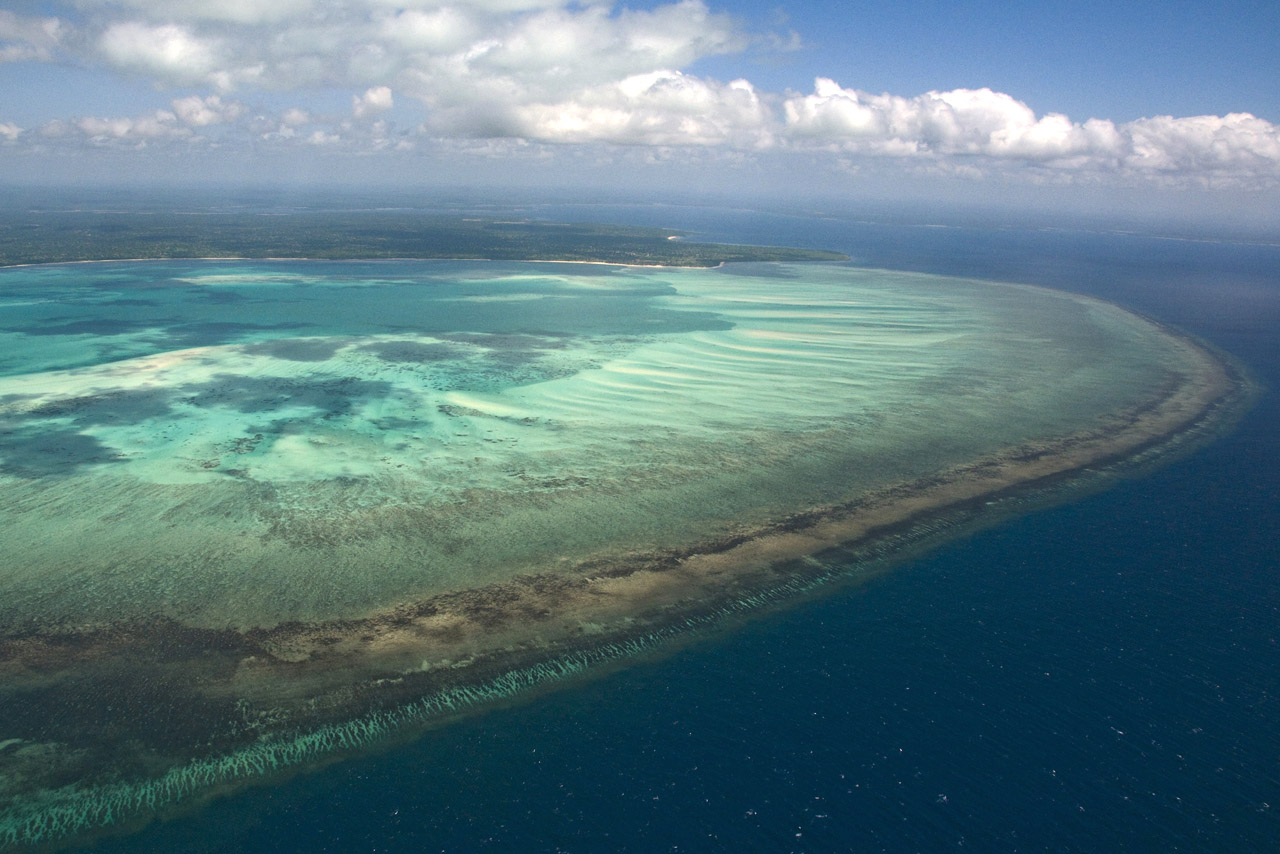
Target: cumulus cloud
[[560, 73], [564, 69], [434, 31], [176, 54], [658, 108], [962, 121], [520, 47], [591, 43], [986, 124], [26, 39], [1203, 144], [159, 125], [211, 110], [167, 51], [188, 122], [375, 100], [235, 11], [324, 138]]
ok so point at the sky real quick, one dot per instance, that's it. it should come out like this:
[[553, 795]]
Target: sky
[[1137, 103]]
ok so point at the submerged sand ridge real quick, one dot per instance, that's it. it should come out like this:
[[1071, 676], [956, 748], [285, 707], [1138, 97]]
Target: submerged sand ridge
[[367, 440], [294, 538]]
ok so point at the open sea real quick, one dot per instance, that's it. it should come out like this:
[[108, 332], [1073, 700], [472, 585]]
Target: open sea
[[1100, 676]]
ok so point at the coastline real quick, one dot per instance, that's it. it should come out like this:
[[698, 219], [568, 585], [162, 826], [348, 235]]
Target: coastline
[[313, 683], [715, 266]]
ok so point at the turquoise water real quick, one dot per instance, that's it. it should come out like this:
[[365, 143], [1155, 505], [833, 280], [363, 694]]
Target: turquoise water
[[307, 440], [201, 451]]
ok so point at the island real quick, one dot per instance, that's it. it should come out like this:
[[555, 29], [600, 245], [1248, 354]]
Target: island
[[262, 513], [61, 235]]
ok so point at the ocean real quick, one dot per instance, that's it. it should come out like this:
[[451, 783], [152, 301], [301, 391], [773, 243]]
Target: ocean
[[1098, 676]]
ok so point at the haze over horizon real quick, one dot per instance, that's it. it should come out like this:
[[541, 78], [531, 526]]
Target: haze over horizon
[[1166, 108]]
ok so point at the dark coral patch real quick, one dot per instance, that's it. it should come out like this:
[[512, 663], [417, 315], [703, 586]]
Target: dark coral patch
[[214, 333], [297, 349], [328, 395], [34, 452], [129, 406], [84, 326], [411, 352]]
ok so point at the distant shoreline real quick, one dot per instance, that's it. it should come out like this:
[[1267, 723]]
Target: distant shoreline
[[386, 260], [77, 236]]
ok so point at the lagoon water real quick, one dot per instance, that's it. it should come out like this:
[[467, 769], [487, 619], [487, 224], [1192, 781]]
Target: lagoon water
[[240, 444], [1093, 677]]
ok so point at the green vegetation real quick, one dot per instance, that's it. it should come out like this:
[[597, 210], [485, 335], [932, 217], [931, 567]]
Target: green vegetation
[[40, 237]]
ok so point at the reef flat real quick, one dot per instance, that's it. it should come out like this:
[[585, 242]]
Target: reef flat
[[261, 513]]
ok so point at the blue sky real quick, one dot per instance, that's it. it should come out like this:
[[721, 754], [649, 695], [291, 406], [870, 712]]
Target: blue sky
[[1117, 60], [1136, 100]]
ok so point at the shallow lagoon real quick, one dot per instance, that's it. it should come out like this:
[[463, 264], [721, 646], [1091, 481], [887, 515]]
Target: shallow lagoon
[[233, 447], [190, 438]]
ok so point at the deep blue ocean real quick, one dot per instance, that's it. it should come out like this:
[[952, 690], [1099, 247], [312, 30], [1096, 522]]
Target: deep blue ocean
[[1100, 676]]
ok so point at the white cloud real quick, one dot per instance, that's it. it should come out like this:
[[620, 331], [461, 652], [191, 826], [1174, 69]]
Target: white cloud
[[324, 138], [55, 129], [170, 52], [173, 54], [986, 124], [437, 31], [561, 73], [541, 49], [498, 7], [589, 45], [962, 121], [564, 73], [1203, 144], [375, 100], [9, 131], [658, 108], [211, 110], [28, 39], [159, 125], [235, 11]]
